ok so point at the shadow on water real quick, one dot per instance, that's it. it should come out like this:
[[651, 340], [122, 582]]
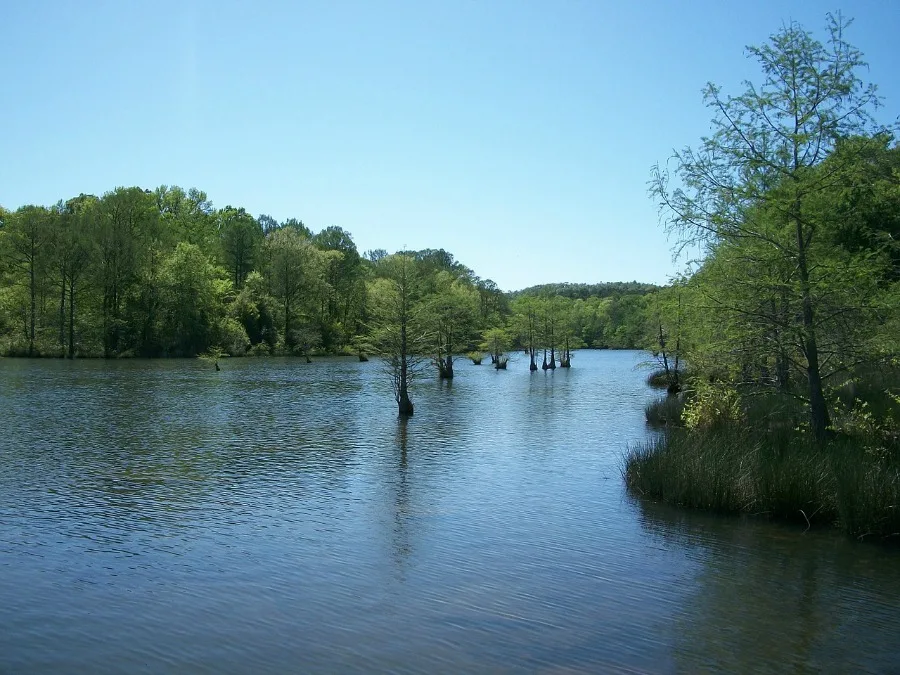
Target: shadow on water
[[770, 595]]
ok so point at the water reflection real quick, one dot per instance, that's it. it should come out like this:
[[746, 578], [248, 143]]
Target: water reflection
[[401, 532], [777, 598]]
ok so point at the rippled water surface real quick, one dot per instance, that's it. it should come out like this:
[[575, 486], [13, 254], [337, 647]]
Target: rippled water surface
[[277, 517]]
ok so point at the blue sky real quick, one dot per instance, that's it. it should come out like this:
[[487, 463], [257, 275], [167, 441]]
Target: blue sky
[[517, 135]]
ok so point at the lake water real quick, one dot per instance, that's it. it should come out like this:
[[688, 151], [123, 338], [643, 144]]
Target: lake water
[[277, 517]]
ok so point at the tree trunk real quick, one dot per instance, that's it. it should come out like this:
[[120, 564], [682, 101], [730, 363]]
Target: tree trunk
[[62, 315], [71, 317], [818, 410], [33, 310], [405, 406], [565, 360], [446, 369], [287, 324], [445, 366]]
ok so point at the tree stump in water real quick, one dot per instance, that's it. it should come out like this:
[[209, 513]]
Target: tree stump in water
[[405, 407]]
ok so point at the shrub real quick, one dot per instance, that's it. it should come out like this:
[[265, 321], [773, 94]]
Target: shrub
[[232, 336], [713, 405]]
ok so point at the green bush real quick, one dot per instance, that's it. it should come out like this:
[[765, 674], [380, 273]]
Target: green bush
[[713, 405], [232, 336]]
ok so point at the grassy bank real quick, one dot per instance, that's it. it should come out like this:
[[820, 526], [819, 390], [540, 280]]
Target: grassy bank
[[761, 462]]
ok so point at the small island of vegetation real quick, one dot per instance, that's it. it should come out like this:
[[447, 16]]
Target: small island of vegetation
[[789, 325]]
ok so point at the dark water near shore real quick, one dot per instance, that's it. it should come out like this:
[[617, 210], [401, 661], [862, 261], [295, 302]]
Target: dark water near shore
[[276, 517]]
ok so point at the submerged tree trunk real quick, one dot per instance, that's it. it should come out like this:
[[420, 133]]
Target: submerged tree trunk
[[565, 360], [404, 405], [444, 359], [448, 367]]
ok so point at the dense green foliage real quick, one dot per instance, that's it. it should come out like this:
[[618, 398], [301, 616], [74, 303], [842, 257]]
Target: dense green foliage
[[164, 273], [742, 454], [791, 321], [585, 291], [794, 199]]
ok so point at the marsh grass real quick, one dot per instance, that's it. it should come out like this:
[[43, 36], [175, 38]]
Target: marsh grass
[[657, 378], [664, 411], [778, 473]]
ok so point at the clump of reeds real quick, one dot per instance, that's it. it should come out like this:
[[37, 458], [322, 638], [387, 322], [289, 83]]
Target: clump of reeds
[[664, 411], [780, 473]]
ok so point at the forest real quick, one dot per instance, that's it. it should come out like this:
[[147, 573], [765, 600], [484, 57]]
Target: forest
[[164, 273]]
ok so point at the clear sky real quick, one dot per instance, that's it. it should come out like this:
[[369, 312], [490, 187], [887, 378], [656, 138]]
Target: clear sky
[[518, 135]]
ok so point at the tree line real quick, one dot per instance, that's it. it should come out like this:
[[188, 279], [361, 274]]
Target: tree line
[[156, 273]]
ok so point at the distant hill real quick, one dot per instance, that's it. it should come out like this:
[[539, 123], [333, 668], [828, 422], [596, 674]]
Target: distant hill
[[585, 291]]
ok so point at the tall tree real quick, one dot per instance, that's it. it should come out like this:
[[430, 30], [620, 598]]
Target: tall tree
[[527, 319], [496, 342], [241, 238], [293, 269], [192, 290], [26, 240], [187, 216], [127, 219], [397, 329], [73, 229], [451, 312], [340, 309], [751, 181]]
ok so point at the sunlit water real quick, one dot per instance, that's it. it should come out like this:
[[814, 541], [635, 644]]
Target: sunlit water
[[276, 517]]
